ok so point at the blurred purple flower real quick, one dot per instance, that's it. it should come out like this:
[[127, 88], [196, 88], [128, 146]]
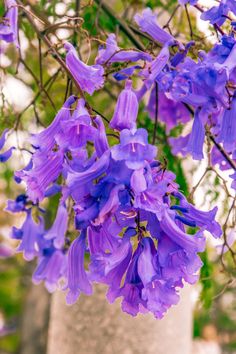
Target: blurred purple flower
[[7, 154], [169, 111], [228, 129], [9, 25]]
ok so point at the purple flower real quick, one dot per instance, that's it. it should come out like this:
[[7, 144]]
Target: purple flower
[[112, 53], [147, 22], [146, 269], [7, 154], [46, 169], [110, 268], [126, 109], [76, 132], [94, 171], [77, 277], [125, 73], [159, 296], [52, 190], [148, 195], [89, 78], [175, 262], [3, 138], [17, 205], [205, 219], [45, 140], [191, 243], [232, 6], [58, 230], [9, 26], [134, 148], [110, 206], [184, 2], [233, 176], [228, 128], [104, 237], [100, 142], [51, 268], [178, 145], [197, 136], [216, 14], [153, 69], [131, 290], [28, 234]]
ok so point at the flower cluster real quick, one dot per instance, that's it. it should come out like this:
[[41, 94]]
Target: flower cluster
[[129, 214], [206, 86], [133, 229]]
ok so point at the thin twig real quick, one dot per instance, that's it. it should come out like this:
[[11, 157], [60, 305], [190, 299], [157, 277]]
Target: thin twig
[[123, 25]]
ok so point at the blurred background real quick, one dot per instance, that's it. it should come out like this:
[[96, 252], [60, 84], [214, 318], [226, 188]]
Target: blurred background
[[25, 308]]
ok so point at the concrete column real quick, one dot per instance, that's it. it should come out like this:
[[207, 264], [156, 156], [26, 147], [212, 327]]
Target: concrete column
[[93, 326]]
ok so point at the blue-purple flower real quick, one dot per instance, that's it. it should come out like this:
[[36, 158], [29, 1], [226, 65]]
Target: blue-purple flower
[[4, 156], [77, 277], [89, 78], [227, 133], [134, 148], [112, 53], [9, 24], [153, 69], [29, 234], [45, 140], [126, 109], [58, 230], [147, 21], [196, 138], [46, 169]]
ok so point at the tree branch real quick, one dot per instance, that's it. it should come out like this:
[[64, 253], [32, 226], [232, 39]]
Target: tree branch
[[123, 25]]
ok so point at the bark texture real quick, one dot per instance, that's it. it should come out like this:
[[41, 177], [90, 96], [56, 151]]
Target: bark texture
[[92, 326]]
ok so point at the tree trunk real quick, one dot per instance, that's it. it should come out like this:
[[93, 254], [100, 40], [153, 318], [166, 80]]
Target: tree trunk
[[93, 326], [34, 326]]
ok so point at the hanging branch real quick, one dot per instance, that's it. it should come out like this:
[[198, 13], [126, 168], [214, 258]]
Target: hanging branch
[[123, 25]]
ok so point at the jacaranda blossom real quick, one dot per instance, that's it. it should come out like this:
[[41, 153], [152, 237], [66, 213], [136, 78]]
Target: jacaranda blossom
[[9, 24], [89, 78], [112, 53], [126, 110], [121, 218], [4, 156], [147, 22]]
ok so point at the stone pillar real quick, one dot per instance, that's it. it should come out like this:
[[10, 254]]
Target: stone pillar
[[93, 326]]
